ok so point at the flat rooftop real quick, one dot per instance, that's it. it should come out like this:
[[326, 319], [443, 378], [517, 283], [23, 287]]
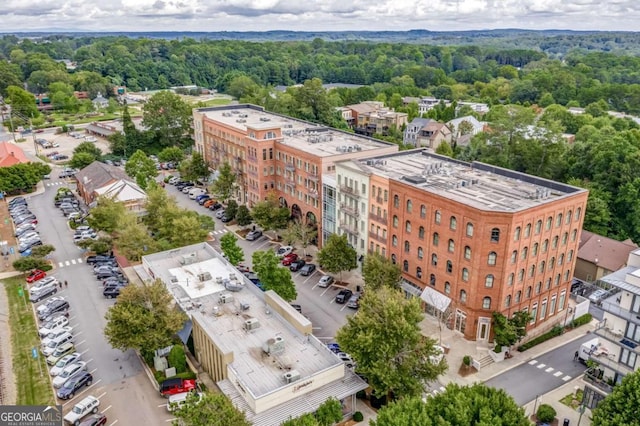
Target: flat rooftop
[[315, 139], [224, 322], [478, 185]]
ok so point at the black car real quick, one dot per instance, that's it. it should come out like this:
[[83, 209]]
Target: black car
[[307, 269], [111, 281], [111, 263], [225, 219], [107, 274], [215, 206], [111, 292], [98, 258], [69, 389], [296, 265], [56, 307], [16, 201], [343, 296]]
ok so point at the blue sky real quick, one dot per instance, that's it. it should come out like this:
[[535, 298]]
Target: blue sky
[[317, 15]]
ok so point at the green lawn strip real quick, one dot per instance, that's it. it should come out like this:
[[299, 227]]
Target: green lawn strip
[[32, 387], [568, 399]]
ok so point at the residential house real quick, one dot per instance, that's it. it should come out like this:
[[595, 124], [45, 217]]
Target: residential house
[[425, 132], [381, 121], [11, 154], [100, 179], [100, 102], [361, 110], [464, 128], [599, 256], [477, 107]]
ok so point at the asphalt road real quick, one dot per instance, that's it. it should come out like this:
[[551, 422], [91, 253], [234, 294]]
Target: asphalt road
[[318, 304], [541, 374], [119, 380]]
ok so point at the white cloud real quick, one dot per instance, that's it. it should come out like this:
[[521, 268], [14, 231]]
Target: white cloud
[[318, 15]]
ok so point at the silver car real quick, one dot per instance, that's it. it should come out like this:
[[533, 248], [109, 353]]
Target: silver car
[[325, 281]]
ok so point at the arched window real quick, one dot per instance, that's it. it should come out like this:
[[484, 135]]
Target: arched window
[[554, 242], [447, 287], [395, 221], [534, 249], [538, 227], [396, 201], [467, 252], [552, 263], [524, 253], [557, 280], [532, 270], [567, 219], [469, 229], [518, 296], [545, 246], [570, 256], [510, 279], [516, 234], [421, 232], [449, 266], [574, 234], [514, 256], [407, 247], [578, 213], [507, 301], [453, 223], [495, 235], [405, 266], [394, 241], [561, 259], [432, 280], [419, 272], [527, 230], [434, 259], [559, 220], [465, 274], [463, 296], [547, 224], [420, 253], [437, 217], [565, 238], [436, 239], [394, 260], [488, 281], [409, 206], [521, 275], [542, 266], [538, 287], [548, 284], [407, 226], [486, 303], [529, 290], [493, 256], [451, 246], [423, 211]]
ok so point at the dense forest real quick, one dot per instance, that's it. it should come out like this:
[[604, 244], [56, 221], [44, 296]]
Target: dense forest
[[529, 93]]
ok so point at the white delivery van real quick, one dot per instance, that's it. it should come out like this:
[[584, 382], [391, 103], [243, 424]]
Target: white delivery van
[[178, 400], [195, 192]]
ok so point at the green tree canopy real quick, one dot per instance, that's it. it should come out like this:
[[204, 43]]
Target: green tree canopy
[[269, 215], [272, 276], [224, 186], [620, 407], [171, 153], [169, 117], [23, 103], [194, 168], [106, 215], [230, 248], [243, 217], [141, 168], [214, 409], [337, 255], [378, 271], [80, 160]]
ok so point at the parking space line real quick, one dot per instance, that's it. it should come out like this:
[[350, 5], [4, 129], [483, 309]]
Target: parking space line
[[101, 395], [162, 405], [114, 422], [79, 343], [171, 420], [263, 244], [93, 371], [80, 393], [310, 276], [89, 361], [106, 408], [343, 307], [84, 352], [72, 318], [77, 334]]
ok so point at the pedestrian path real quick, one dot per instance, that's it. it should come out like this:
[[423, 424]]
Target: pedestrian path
[[550, 370], [218, 232], [64, 263]]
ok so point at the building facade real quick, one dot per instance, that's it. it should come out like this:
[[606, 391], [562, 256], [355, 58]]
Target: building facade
[[472, 239]]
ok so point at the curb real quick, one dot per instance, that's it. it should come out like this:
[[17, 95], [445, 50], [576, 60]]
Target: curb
[[148, 372]]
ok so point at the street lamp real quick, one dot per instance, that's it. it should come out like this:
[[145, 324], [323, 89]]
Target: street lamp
[[581, 411]]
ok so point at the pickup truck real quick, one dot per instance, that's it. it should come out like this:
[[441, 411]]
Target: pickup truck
[[83, 408]]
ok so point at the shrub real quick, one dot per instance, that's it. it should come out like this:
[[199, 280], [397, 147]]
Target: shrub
[[28, 263], [167, 178], [185, 375], [554, 332], [361, 394], [159, 376], [546, 413], [177, 359], [358, 417], [581, 320], [466, 360]]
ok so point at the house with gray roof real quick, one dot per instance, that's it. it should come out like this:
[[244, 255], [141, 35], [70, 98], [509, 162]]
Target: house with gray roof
[[100, 179]]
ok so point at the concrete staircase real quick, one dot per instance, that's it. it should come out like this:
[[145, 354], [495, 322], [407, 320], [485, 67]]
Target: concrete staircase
[[485, 361]]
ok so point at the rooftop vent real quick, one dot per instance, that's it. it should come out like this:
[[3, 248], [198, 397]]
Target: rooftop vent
[[415, 179], [274, 346], [291, 376], [204, 276], [251, 324], [188, 259], [225, 298]]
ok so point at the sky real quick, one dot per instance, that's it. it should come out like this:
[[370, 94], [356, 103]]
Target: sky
[[316, 15]]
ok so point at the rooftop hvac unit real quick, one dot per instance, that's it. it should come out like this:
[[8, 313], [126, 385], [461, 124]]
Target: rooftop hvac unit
[[204, 276], [251, 324], [218, 280], [188, 259], [291, 376], [225, 298], [173, 279], [244, 306], [233, 285], [274, 346], [232, 276]]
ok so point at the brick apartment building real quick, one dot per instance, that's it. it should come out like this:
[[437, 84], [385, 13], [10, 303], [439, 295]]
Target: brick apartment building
[[470, 238], [271, 152]]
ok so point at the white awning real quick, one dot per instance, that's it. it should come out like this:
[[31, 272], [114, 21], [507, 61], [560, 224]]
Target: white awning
[[436, 299], [410, 288]]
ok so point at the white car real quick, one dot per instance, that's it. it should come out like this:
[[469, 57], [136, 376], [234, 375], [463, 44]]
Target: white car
[[48, 327], [68, 372], [220, 213], [43, 282], [89, 404], [56, 333], [65, 361], [284, 250], [28, 235], [346, 358], [44, 287]]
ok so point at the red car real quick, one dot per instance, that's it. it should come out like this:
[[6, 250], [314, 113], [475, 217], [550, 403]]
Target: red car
[[36, 275], [288, 259], [173, 386]]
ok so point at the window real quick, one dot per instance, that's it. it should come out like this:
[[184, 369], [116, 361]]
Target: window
[[524, 253], [559, 220], [409, 206], [538, 287], [423, 211], [561, 301], [565, 238], [518, 296], [467, 252], [451, 246], [465, 274], [507, 301], [407, 247], [554, 242], [495, 235], [436, 239], [396, 201], [527, 231], [420, 253], [561, 259], [437, 217], [395, 221], [521, 275], [542, 266], [532, 270], [547, 224], [493, 256], [488, 281], [566, 275], [419, 272], [432, 280], [449, 266], [552, 263], [570, 256], [578, 213], [529, 292], [447, 287], [534, 312], [552, 305], [421, 232], [538, 227], [469, 229], [574, 234], [434, 259], [516, 235], [534, 249], [486, 303], [567, 219], [548, 284], [394, 241], [407, 226], [394, 259], [545, 245], [514, 256], [463, 296], [405, 266], [628, 358], [453, 223]]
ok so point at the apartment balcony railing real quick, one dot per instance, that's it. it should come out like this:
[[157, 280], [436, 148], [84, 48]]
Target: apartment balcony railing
[[351, 211], [313, 177], [350, 229], [378, 237], [290, 167], [616, 336], [617, 310], [349, 190], [601, 384], [380, 219]]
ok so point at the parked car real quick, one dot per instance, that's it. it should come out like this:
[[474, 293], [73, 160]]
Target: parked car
[[325, 281], [64, 362], [36, 275], [115, 281], [22, 232], [173, 386], [296, 307], [288, 259], [208, 203], [334, 347], [42, 293], [354, 301], [54, 334], [283, 251], [343, 296], [60, 352], [307, 269], [16, 201], [111, 292], [186, 189], [104, 268], [225, 219], [98, 419], [22, 220], [69, 389], [48, 280], [55, 323], [57, 307], [174, 180], [27, 245], [69, 372], [598, 295], [103, 275], [296, 265], [97, 258], [215, 206], [180, 399], [220, 213], [52, 345], [254, 235], [346, 358]]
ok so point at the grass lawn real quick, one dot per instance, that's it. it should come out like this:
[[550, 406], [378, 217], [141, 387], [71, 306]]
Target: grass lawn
[[215, 102], [32, 387], [571, 397]]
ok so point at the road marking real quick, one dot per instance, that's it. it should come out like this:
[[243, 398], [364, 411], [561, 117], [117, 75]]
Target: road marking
[[557, 373], [93, 371], [541, 366], [80, 342], [106, 408], [162, 405], [565, 378], [100, 396], [89, 360], [533, 362], [79, 260], [85, 389], [113, 423], [310, 276], [60, 264], [549, 370], [73, 261], [170, 420], [66, 263], [77, 334], [72, 318], [345, 305], [84, 352], [263, 244], [316, 328]]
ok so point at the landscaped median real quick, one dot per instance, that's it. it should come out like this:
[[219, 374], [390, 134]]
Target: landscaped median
[[33, 385]]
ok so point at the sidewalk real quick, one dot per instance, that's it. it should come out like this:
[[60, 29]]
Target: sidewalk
[[562, 411]]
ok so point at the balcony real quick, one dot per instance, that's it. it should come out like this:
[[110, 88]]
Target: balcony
[[313, 177], [252, 158], [290, 167], [592, 378], [380, 219], [348, 190], [351, 211], [617, 337], [350, 229], [617, 310], [378, 238]]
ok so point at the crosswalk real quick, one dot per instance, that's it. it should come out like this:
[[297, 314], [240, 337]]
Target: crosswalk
[[218, 232], [58, 183], [70, 262], [548, 369]]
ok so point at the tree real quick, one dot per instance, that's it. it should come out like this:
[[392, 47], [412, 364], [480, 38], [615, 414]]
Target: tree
[[300, 230], [42, 251], [223, 187], [23, 103], [329, 412], [509, 331], [29, 263], [444, 149], [169, 117], [133, 239], [81, 160], [187, 229], [243, 217], [141, 168], [145, 318], [385, 341], [177, 359], [378, 271], [620, 407], [106, 215], [89, 148], [272, 276], [100, 245], [476, 404], [171, 153], [230, 248], [337, 255], [269, 215], [214, 409], [231, 210], [194, 168]]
